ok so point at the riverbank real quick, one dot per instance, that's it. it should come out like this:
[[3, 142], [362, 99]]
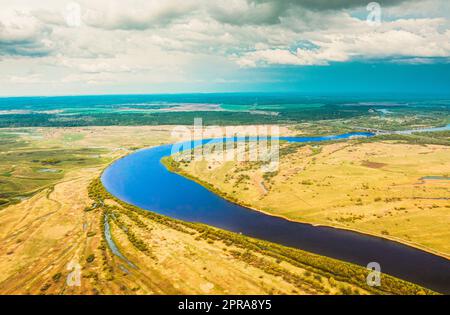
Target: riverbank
[[170, 164], [149, 185], [248, 249]]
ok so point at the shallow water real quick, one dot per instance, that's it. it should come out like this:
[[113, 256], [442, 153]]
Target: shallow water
[[112, 245], [435, 129], [435, 178]]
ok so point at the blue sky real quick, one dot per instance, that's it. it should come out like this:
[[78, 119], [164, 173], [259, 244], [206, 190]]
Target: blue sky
[[54, 47], [379, 77]]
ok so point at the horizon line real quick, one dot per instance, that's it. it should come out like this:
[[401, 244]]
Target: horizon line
[[297, 93]]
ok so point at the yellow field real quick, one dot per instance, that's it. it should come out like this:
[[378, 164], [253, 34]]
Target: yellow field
[[45, 238], [375, 188], [42, 236]]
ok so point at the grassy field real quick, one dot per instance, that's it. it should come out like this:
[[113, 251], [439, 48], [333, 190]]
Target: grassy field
[[371, 186], [196, 258], [35, 159], [59, 228]]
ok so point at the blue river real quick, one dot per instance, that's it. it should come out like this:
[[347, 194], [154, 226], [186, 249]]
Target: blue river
[[141, 180]]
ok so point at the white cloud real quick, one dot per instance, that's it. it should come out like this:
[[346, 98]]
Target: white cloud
[[415, 38], [136, 14], [23, 35], [161, 41], [31, 78]]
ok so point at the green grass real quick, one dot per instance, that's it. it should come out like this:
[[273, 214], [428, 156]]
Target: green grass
[[437, 138], [342, 116], [72, 137], [23, 168]]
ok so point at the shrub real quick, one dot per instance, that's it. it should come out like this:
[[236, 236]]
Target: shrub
[[56, 277], [90, 258]]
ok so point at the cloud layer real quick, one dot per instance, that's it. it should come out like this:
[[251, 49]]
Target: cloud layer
[[95, 42]]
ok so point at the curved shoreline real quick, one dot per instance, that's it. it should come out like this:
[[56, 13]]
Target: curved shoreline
[[141, 179], [206, 185], [324, 265]]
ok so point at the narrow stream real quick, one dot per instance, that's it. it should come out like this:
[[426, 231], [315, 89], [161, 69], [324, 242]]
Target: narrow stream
[[141, 180]]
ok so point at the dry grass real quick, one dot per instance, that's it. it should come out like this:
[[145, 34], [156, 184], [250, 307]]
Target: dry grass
[[373, 187], [41, 236]]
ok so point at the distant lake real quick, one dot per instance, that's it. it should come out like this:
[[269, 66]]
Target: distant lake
[[141, 180], [435, 129]]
